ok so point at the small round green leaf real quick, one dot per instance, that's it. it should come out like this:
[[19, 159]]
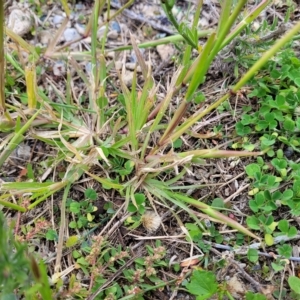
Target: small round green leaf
[[71, 241], [252, 255], [90, 194], [252, 169], [294, 283]]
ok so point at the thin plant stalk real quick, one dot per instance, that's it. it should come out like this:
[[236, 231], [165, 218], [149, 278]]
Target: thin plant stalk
[[168, 10], [199, 68], [62, 228], [11, 205], [173, 39], [245, 22], [2, 63], [211, 212], [249, 74]]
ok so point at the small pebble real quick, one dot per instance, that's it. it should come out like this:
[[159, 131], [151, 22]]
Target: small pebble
[[59, 68], [118, 65], [79, 276], [289, 152], [80, 28], [88, 40], [100, 32], [113, 35], [127, 78], [111, 55], [255, 25], [207, 223], [131, 67], [73, 15], [133, 58], [88, 68], [43, 18], [165, 51], [160, 35], [19, 22], [71, 34], [79, 7], [45, 36], [115, 26], [203, 23], [57, 19], [297, 111], [22, 152], [256, 267], [164, 21]]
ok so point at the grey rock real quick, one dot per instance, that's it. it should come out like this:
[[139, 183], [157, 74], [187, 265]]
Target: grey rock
[[19, 22], [22, 152], [80, 28], [57, 19], [115, 26], [59, 68], [71, 34], [100, 32], [79, 7]]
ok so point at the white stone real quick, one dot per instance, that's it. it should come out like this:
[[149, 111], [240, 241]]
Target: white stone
[[57, 19], [59, 68], [19, 22], [71, 34]]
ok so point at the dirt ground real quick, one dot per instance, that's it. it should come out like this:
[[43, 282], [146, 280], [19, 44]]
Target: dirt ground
[[222, 178]]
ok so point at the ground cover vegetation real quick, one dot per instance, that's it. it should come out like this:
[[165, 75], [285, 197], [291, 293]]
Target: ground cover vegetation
[[112, 206]]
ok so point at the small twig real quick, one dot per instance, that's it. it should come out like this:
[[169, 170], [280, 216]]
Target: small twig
[[247, 276], [228, 51], [271, 36], [232, 179], [62, 228], [106, 230], [281, 282], [17, 227], [209, 121], [236, 193], [131, 15], [228, 248], [243, 272]]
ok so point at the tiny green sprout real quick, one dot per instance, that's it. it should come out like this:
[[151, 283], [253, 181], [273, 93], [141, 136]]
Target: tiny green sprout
[[177, 144], [82, 210], [261, 222], [278, 266], [280, 165], [137, 204], [90, 194], [194, 232], [285, 228], [51, 235], [285, 250], [133, 222]]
